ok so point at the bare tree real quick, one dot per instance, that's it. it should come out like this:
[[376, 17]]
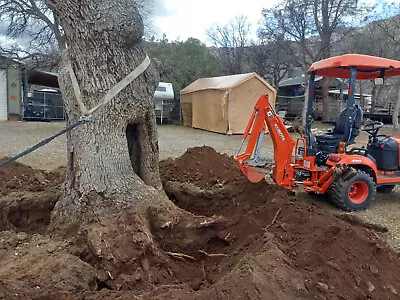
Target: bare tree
[[391, 27], [115, 156], [113, 160], [395, 116], [35, 30], [312, 26], [292, 22], [270, 60], [231, 40], [381, 37], [35, 33], [371, 40]]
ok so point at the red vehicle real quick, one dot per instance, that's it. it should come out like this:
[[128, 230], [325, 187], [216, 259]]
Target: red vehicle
[[325, 163]]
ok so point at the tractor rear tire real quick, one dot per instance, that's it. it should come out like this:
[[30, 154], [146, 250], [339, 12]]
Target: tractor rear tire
[[385, 189], [357, 193]]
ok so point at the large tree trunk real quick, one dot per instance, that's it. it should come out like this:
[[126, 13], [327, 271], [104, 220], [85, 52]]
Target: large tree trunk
[[113, 159], [113, 199], [324, 31], [305, 103], [395, 116], [376, 96], [325, 100]]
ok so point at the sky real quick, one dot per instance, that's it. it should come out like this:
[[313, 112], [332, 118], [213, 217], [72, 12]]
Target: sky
[[184, 18], [181, 19]]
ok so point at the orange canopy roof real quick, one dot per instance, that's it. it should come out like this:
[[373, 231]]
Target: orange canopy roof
[[368, 67]]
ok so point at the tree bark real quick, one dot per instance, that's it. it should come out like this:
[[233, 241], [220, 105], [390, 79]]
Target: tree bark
[[305, 103], [113, 159], [376, 95], [325, 100], [373, 99], [361, 94], [395, 116]]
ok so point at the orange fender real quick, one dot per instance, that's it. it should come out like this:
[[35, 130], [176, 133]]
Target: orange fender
[[353, 160]]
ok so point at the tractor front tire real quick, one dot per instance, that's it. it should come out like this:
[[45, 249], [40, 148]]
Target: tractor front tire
[[357, 193], [385, 189]]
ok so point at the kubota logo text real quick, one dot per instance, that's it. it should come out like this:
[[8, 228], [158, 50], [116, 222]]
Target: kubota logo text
[[279, 132]]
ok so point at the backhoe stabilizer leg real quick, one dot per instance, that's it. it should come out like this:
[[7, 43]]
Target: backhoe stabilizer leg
[[254, 168], [251, 163]]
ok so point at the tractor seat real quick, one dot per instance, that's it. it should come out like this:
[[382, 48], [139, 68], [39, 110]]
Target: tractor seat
[[329, 141]]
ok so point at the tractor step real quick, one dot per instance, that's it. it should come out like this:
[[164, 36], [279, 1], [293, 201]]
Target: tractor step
[[389, 179], [393, 175]]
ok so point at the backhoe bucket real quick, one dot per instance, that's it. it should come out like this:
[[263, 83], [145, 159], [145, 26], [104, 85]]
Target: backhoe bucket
[[253, 174]]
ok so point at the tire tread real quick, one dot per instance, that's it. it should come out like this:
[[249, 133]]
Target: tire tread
[[337, 193]]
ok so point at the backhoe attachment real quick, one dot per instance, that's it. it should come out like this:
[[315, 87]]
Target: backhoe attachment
[[252, 164]]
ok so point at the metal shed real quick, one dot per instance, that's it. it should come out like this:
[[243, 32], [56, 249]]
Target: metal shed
[[10, 89], [22, 95], [3, 95]]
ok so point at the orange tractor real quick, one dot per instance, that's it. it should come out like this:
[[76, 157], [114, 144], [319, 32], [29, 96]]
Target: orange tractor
[[324, 163]]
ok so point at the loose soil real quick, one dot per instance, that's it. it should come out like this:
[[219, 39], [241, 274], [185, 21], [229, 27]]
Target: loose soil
[[19, 177], [230, 239], [27, 197]]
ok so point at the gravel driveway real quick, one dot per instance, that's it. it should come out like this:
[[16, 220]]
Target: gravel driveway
[[173, 142]]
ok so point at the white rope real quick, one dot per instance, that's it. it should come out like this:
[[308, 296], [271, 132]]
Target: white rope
[[114, 91], [77, 90]]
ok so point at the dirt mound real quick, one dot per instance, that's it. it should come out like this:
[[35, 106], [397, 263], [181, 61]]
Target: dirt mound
[[19, 177], [334, 259], [231, 239], [38, 267], [27, 197], [201, 166]]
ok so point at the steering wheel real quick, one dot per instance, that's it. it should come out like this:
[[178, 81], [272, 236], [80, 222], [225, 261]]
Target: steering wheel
[[372, 128]]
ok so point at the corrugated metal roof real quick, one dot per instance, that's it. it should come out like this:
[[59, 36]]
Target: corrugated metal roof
[[346, 92], [43, 78], [296, 81], [221, 83]]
